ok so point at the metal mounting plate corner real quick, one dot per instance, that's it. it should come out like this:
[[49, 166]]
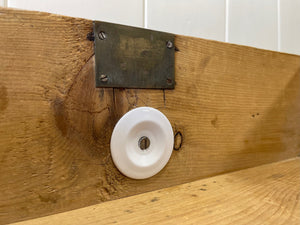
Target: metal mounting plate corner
[[130, 57]]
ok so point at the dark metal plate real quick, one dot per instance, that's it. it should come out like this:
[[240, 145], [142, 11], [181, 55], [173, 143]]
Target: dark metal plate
[[129, 57]]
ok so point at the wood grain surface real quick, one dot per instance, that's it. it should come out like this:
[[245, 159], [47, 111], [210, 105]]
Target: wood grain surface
[[233, 107], [267, 194]]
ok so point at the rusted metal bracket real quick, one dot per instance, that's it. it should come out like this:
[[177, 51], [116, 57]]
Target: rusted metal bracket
[[130, 57]]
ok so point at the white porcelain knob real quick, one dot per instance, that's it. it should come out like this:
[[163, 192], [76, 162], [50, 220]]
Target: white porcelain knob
[[142, 143]]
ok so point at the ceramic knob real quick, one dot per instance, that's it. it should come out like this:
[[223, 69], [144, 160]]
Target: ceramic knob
[[142, 143]]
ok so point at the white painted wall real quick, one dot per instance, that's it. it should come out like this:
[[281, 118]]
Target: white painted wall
[[268, 24]]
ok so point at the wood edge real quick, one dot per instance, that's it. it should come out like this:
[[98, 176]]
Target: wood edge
[[92, 207], [9, 9]]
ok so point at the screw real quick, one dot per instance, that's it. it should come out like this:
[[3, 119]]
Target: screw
[[169, 44], [102, 35], [103, 78], [169, 81], [144, 143]]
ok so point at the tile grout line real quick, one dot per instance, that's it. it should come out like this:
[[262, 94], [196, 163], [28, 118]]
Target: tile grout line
[[226, 20], [278, 27], [145, 13]]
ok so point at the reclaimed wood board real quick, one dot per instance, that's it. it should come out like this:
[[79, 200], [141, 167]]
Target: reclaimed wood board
[[233, 107], [267, 194]]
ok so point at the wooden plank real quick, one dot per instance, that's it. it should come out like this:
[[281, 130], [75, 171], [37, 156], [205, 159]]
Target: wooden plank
[[267, 194], [235, 106]]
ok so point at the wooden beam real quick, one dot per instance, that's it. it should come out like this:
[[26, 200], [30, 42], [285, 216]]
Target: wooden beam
[[235, 107], [266, 194]]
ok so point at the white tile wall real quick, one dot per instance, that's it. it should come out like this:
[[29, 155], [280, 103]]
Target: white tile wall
[[253, 23], [124, 12], [268, 24], [290, 26], [200, 18], [2, 3]]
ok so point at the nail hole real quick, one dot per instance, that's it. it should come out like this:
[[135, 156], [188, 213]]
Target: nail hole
[[90, 36]]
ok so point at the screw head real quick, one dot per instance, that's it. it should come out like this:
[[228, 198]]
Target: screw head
[[169, 44], [103, 78], [169, 81], [102, 35], [144, 143]]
